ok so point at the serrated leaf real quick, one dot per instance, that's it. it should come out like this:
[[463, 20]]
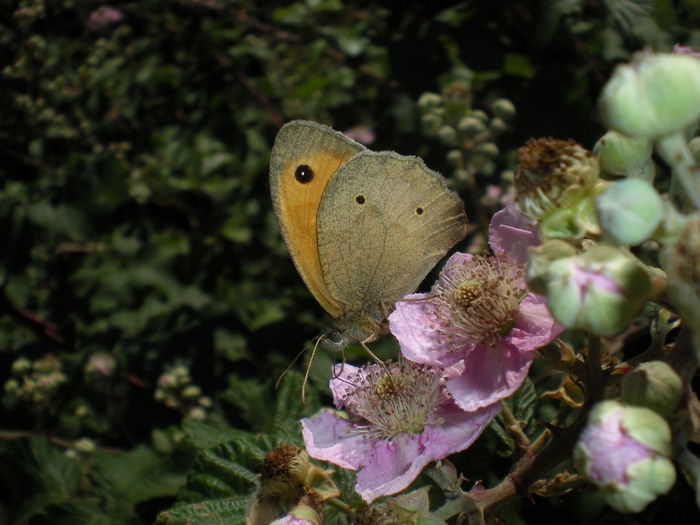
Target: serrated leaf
[[522, 405], [136, 476]]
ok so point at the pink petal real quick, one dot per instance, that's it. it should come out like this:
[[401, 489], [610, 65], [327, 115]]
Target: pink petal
[[416, 334], [330, 438], [394, 465], [511, 235], [343, 382], [490, 374], [534, 325]]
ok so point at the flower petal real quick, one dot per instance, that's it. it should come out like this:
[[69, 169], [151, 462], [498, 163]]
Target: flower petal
[[343, 382], [511, 235], [330, 438], [534, 326], [490, 374], [394, 465], [417, 335]]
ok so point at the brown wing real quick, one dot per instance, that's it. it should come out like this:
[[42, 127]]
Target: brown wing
[[304, 158]]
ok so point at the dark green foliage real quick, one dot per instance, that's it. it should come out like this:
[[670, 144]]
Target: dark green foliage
[[147, 303], [522, 405]]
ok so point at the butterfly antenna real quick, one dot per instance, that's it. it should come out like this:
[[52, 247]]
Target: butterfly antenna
[[374, 356], [279, 379], [308, 370]]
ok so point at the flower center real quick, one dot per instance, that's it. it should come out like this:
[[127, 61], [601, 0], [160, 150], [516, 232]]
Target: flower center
[[404, 400], [476, 301]]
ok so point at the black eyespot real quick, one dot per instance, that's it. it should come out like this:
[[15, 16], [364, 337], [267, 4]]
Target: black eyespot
[[419, 210], [304, 174], [360, 199]]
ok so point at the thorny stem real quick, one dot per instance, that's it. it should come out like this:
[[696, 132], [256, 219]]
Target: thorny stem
[[549, 450], [553, 447], [514, 428], [343, 507]]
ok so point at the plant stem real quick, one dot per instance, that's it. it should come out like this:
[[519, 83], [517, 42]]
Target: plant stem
[[675, 152]]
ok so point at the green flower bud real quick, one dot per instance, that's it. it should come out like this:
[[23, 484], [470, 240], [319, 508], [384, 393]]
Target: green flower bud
[[657, 94], [447, 135], [625, 452], [503, 108], [85, 446], [498, 126], [480, 115], [455, 157], [197, 413], [625, 156], [654, 385], [428, 101], [540, 258], [464, 178], [486, 149], [599, 291], [431, 122], [191, 392], [21, 366], [12, 386], [629, 211], [470, 126]]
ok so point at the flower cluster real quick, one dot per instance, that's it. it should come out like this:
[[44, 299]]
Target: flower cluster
[[466, 345]]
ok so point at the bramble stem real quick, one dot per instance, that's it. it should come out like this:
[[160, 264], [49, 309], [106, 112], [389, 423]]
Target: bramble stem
[[675, 152]]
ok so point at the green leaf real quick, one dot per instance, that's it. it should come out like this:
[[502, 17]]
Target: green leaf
[[39, 476], [136, 476], [518, 65], [522, 405]]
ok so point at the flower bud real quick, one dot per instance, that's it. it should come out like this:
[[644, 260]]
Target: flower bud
[[431, 122], [503, 108], [197, 414], [470, 126], [624, 156], [487, 149], [428, 101], [655, 95], [455, 157], [21, 366], [599, 291], [85, 446], [629, 211], [480, 115], [653, 385], [625, 452], [447, 135], [498, 126], [539, 259]]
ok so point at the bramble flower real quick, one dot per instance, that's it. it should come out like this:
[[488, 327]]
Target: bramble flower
[[625, 451], [479, 322], [400, 419]]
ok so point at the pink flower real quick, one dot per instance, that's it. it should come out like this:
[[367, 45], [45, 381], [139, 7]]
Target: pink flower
[[401, 419], [479, 322], [103, 17]]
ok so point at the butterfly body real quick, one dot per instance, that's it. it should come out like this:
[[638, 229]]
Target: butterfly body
[[363, 228]]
